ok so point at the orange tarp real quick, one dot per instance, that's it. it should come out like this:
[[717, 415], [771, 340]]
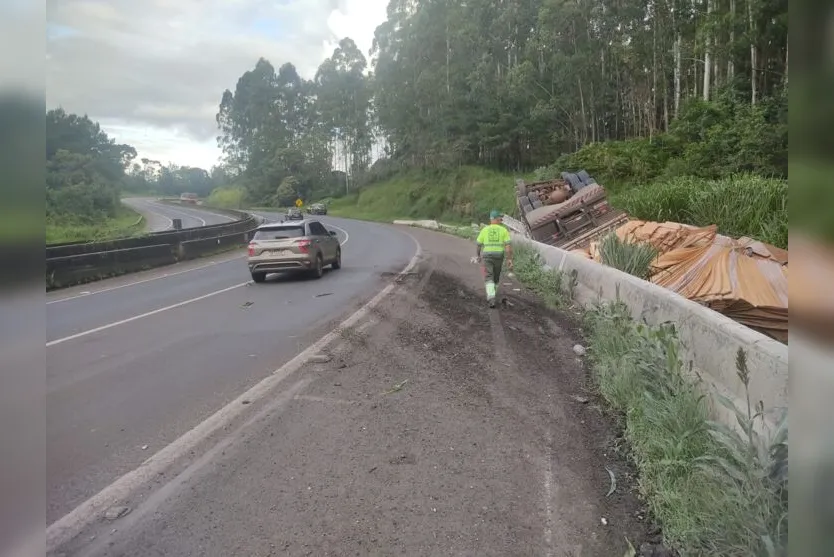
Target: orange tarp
[[744, 279]]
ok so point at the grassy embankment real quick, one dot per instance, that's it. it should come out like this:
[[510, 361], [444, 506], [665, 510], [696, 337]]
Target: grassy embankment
[[714, 491], [127, 223], [459, 196], [741, 205]]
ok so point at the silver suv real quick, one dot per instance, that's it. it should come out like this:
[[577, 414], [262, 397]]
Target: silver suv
[[305, 246]]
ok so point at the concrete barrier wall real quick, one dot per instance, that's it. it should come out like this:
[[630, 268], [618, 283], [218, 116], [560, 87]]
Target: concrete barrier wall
[[74, 269], [709, 340]]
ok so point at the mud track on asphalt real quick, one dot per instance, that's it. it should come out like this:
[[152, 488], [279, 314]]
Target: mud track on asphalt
[[435, 427], [491, 409]]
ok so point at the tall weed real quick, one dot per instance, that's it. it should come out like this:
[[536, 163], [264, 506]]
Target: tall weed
[[715, 492], [634, 258], [741, 205]]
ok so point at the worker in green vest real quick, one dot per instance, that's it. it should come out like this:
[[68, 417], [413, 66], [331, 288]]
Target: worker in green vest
[[493, 243]]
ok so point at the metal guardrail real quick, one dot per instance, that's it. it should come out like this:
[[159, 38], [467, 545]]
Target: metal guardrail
[[76, 263]]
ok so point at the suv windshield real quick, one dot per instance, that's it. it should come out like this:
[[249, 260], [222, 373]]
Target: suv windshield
[[279, 233]]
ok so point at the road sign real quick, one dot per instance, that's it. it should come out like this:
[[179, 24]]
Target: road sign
[[298, 203]]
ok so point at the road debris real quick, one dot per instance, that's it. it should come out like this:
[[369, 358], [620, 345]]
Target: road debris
[[396, 388], [245, 305], [323, 294], [144, 447], [320, 358], [581, 399], [579, 350], [613, 487], [114, 513]]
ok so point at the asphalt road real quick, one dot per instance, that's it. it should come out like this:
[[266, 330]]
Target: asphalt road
[[134, 362], [426, 424], [159, 216]]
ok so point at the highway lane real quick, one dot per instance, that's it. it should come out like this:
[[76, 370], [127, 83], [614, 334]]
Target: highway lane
[[159, 216], [175, 344]]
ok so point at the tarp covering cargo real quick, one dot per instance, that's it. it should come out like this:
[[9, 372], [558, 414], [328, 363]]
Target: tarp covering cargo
[[744, 279]]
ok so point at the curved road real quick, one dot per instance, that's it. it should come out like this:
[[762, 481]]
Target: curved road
[[159, 216], [136, 361]]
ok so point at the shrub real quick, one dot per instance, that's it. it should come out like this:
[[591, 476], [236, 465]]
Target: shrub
[[227, 198], [634, 258]]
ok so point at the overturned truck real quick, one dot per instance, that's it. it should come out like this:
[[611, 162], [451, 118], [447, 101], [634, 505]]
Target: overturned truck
[[567, 212]]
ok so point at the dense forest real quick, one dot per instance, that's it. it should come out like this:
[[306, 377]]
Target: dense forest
[[638, 89]]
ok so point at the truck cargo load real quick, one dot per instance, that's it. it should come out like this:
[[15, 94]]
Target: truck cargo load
[[567, 212]]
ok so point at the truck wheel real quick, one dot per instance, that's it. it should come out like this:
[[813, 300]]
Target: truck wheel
[[258, 277], [574, 181]]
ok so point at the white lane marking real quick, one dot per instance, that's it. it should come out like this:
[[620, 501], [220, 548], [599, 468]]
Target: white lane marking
[[347, 236], [183, 214], [146, 205], [134, 283], [70, 525], [143, 315]]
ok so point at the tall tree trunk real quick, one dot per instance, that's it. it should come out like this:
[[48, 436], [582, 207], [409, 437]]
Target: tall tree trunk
[[786, 63], [751, 29], [448, 56], [582, 107], [654, 66], [707, 54], [731, 69], [677, 74]]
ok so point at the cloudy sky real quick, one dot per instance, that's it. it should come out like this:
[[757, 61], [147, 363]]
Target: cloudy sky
[[152, 71]]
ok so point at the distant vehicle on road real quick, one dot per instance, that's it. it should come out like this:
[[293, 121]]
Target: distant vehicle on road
[[190, 198], [297, 246], [294, 213], [318, 209]]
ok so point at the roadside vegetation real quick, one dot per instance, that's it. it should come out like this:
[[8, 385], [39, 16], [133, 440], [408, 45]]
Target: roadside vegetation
[[87, 174], [459, 196], [503, 91], [125, 224], [715, 491]]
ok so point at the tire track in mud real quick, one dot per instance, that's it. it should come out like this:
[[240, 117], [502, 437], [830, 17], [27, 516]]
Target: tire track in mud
[[515, 367]]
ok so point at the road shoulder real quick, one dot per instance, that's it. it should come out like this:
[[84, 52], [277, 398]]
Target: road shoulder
[[433, 427]]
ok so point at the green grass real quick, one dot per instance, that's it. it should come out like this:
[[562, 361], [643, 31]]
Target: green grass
[[634, 258], [741, 205], [127, 223], [458, 196], [714, 491]]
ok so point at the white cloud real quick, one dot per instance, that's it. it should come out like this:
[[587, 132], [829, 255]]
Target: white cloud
[[152, 72]]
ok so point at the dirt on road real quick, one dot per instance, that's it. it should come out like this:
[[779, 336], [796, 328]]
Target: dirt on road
[[436, 427]]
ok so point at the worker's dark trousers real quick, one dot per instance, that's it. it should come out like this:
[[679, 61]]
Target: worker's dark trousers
[[492, 272]]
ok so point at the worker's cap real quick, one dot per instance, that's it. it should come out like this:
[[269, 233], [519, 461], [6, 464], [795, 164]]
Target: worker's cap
[[495, 214]]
